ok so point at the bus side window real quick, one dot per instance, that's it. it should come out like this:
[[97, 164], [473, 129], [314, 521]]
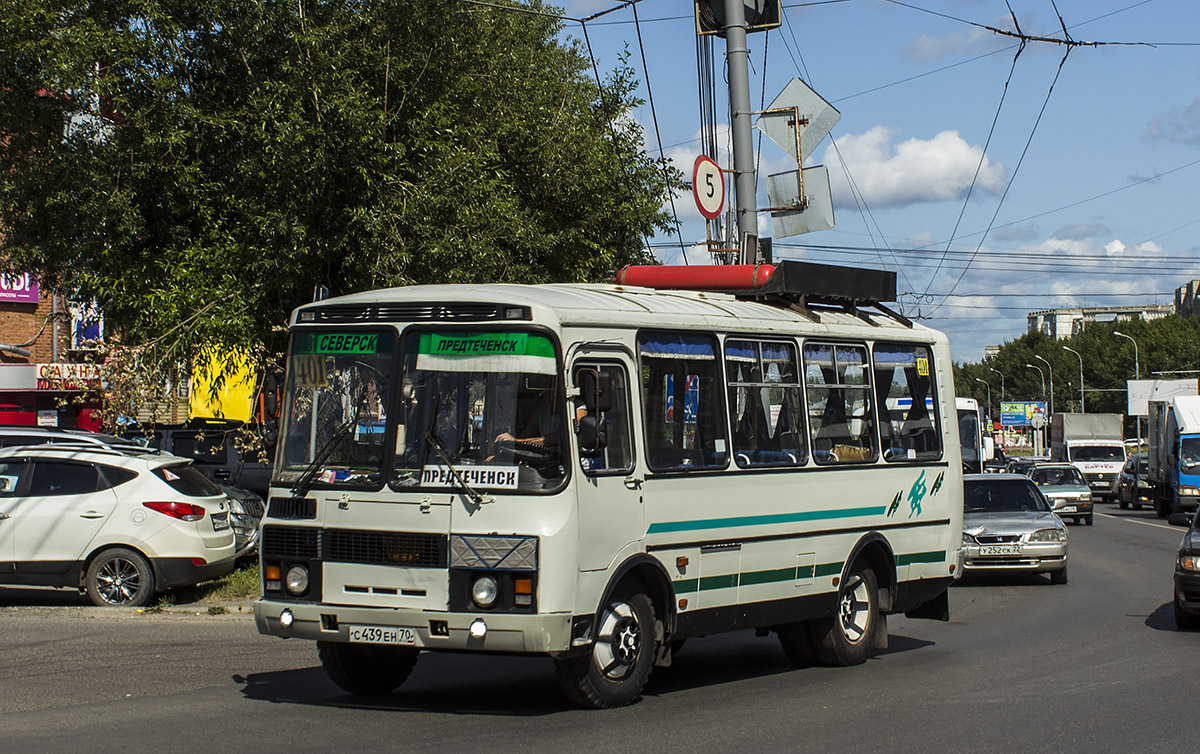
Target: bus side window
[[764, 403], [907, 402], [613, 450], [681, 397], [840, 413]]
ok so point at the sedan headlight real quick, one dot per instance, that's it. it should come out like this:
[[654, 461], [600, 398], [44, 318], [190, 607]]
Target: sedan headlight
[[1189, 562], [1058, 501], [968, 539], [1048, 535], [1086, 498]]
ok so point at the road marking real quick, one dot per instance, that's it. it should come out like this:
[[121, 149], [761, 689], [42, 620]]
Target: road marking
[[1143, 523]]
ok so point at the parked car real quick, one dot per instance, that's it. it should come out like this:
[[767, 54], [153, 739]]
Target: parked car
[[214, 447], [1066, 489], [1187, 572], [11, 437], [1132, 487], [1008, 526], [119, 525]]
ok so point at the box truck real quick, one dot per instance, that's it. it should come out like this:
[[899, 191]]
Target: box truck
[[1094, 444], [1173, 453]]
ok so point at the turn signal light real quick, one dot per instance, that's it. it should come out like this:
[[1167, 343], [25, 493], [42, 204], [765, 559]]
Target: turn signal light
[[274, 573], [523, 586]]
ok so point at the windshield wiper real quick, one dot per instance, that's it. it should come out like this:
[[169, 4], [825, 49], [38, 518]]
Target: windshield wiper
[[306, 478], [440, 449]]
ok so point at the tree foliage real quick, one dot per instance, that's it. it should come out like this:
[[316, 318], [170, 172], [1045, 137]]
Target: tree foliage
[[1167, 348], [255, 148]]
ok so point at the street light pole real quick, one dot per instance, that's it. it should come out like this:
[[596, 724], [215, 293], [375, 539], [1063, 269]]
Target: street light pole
[[997, 371], [1051, 370], [1137, 375], [989, 401], [1043, 377], [1082, 409]]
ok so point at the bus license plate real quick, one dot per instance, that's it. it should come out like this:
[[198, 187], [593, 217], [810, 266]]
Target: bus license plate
[[382, 635], [999, 549]]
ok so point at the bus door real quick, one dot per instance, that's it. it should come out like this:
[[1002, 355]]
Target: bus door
[[609, 484]]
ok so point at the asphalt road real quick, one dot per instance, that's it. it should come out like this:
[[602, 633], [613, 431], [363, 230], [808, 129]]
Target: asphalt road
[[1092, 666]]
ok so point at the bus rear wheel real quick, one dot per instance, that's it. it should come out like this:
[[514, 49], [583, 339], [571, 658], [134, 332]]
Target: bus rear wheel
[[616, 670], [367, 669], [847, 637]]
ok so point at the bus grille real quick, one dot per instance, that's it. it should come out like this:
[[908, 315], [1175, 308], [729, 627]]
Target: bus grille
[[417, 312], [290, 542], [292, 507], [386, 548]]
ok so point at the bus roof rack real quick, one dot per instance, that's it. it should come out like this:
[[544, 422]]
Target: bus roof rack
[[806, 284]]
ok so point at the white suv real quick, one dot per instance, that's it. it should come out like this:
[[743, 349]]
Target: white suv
[[120, 525]]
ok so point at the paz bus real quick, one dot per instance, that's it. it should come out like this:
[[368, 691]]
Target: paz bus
[[598, 472]]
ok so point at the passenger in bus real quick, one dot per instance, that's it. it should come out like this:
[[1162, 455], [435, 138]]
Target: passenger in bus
[[537, 422]]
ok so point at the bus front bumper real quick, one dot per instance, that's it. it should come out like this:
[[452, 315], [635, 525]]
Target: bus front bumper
[[482, 632]]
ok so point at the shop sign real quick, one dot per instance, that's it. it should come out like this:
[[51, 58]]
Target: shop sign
[[47, 418], [68, 376], [19, 287]]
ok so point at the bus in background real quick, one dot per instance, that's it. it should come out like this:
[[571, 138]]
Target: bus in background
[[976, 445], [596, 473]]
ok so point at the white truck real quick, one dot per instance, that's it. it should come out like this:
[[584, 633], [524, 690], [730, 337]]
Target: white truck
[[1093, 444], [1173, 454]]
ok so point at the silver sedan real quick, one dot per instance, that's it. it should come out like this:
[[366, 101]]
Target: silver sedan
[[1008, 526]]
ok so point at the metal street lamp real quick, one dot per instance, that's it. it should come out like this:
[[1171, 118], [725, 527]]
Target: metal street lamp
[[989, 400], [1082, 410], [1043, 376], [1051, 370], [1137, 375], [997, 371]]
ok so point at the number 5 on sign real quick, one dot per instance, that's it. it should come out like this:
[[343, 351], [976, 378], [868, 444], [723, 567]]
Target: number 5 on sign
[[708, 186]]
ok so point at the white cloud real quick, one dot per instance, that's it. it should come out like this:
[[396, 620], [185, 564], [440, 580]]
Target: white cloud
[[1178, 125], [910, 172]]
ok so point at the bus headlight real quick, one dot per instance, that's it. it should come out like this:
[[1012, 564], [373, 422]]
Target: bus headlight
[[484, 591], [297, 580]]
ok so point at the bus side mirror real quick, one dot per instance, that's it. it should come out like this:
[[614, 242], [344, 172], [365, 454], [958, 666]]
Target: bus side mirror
[[591, 434], [595, 389]]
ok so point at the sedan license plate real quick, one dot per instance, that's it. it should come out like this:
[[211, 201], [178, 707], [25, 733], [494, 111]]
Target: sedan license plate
[[1000, 549], [382, 635], [1066, 509], [220, 521]]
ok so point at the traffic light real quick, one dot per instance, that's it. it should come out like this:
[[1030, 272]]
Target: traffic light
[[760, 16]]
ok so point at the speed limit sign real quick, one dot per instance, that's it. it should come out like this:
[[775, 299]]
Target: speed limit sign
[[708, 186]]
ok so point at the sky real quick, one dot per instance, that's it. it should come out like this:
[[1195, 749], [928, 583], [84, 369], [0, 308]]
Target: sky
[[993, 188]]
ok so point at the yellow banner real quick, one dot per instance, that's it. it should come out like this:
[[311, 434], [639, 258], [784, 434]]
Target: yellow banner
[[222, 385]]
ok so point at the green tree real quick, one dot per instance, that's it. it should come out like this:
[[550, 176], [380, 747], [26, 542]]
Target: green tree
[[222, 157]]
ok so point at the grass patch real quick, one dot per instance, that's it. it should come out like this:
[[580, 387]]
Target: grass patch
[[218, 610], [238, 585]]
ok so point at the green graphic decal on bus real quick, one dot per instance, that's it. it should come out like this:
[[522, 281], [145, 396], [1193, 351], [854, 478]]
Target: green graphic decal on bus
[[916, 494], [486, 352]]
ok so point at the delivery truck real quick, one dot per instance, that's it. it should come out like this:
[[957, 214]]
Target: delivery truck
[[1094, 444], [1173, 453]]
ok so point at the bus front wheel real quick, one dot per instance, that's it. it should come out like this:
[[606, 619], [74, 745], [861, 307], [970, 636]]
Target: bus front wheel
[[367, 669], [614, 673], [847, 637]]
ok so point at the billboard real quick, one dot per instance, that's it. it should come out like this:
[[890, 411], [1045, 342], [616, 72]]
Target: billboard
[[1021, 413], [1139, 393]]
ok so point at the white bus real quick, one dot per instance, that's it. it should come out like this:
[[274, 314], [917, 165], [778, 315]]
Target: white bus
[[599, 472]]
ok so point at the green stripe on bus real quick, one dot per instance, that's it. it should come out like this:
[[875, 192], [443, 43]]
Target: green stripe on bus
[[752, 578], [936, 556], [775, 518]]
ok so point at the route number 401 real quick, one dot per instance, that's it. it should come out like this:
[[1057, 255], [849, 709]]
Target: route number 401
[[708, 186]]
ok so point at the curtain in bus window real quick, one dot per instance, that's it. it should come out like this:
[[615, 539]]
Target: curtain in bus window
[[764, 403], [681, 397], [906, 401], [840, 414]]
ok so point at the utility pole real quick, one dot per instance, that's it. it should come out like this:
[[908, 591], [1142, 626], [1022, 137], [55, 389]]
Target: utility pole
[[738, 59]]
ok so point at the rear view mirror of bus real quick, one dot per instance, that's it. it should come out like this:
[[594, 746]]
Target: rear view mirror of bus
[[595, 389]]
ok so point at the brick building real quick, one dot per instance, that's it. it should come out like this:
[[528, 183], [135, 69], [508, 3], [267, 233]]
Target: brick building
[[45, 371]]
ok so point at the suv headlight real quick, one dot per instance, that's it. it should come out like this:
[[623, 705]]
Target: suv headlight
[[1189, 562], [1048, 535]]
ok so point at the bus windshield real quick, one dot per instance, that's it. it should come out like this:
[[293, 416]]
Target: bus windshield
[[335, 408], [483, 409]]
